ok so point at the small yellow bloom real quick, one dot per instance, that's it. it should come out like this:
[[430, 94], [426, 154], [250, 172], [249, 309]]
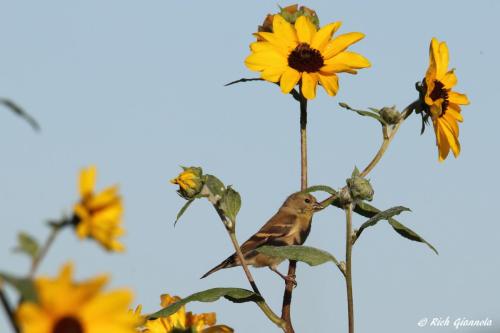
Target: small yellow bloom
[[183, 321], [99, 216], [65, 306], [190, 182], [302, 54], [440, 102]]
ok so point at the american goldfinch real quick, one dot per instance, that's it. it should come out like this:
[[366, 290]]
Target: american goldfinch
[[289, 226]]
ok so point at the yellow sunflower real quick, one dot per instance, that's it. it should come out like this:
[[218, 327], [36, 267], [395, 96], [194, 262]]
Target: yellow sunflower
[[99, 216], [440, 102], [302, 54], [184, 322], [190, 182], [65, 306]]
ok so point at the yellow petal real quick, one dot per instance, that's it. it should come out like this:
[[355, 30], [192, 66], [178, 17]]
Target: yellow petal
[[452, 123], [283, 30], [458, 98], [442, 67], [309, 82], [345, 61], [454, 111], [87, 180], [330, 83], [449, 79], [105, 198], [341, 43], [450, 136], [305, 30], [441, 142], [273, 74], [106, 304], [33, 319], [281, 46], [289, 79], [323, 36], [261, 60]]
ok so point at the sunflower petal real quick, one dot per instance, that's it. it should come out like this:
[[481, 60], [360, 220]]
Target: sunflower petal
[[305, 30], [259, 61], [330, 83], [87, 180], [284, 31], [449, 79], [345, 61], [309, 83], [323, 36], [458, 98], [341, 43], [444, 58], [289, 79]]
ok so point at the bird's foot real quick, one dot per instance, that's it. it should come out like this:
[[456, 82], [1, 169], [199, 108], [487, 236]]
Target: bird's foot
[[290, 278]]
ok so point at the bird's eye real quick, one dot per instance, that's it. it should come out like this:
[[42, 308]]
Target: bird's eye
[[308, 201]]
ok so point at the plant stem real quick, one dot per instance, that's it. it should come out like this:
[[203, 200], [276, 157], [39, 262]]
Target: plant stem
[[348, 272], [8, 310], [388, 136], [262, 305], [56, 227], [287, 296], [237, 248]]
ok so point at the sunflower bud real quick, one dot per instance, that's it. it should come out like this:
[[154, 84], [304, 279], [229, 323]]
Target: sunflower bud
[[291, 14], [390, 115], [360, 188], [190, 182]]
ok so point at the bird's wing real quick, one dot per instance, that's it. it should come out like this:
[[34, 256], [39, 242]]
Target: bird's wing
[[273, 232]]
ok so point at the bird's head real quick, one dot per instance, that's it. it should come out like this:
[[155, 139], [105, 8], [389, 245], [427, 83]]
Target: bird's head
[[302, 203]]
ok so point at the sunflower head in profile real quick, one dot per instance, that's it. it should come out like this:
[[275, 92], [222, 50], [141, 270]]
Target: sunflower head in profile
[[184, 322], [65, 306], [302, 54], [98, 215], [439, 102]]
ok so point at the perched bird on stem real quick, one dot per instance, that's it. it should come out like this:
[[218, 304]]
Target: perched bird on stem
[[289, 226]]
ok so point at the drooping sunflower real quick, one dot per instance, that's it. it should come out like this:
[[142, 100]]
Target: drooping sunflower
[[440, 102], [184, 322], [65, 306], [302, 54], [99, 216]]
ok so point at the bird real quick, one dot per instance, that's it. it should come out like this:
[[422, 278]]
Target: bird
[[289, 226]]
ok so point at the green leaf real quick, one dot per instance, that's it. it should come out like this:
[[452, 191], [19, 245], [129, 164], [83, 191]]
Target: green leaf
[[215, 186], [230, 203], [183, 209], [27, 244], [310, 255], [385, 215], [367, 210], [236, 295], [373, 114], [24, 286], [20, 112], [323, 188]]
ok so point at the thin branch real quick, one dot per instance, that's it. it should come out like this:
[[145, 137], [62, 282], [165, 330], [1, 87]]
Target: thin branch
[[348, 272], [20, 112], [8, 310]]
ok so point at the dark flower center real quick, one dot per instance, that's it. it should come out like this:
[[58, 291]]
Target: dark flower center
[[68, 325], [305, 59], [439, 92]]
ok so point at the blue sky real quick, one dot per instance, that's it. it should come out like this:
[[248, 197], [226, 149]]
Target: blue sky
[[137, 89]]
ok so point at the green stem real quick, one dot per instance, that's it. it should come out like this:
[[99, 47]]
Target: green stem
[[262, 305], [56, 227], [287, 296], [388, 135], [8, 310], [348, 271]]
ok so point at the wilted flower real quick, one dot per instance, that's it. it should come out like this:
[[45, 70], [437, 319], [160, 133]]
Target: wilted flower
[[439, 102], [291, 14], [190, 182], [302, 54], [65, 306], [99, 216], [183, 321]]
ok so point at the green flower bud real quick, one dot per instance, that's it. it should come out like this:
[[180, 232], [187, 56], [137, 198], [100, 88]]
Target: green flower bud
[[390, 115], [360, 188], [190, 182]]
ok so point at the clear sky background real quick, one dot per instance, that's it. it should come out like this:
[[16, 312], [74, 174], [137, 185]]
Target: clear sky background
[[137, 89]]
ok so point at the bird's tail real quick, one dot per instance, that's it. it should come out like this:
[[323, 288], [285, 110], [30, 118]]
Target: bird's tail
[[229, 262]]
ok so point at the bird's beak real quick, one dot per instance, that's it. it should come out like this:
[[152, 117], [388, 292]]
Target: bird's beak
[[317, 207]]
